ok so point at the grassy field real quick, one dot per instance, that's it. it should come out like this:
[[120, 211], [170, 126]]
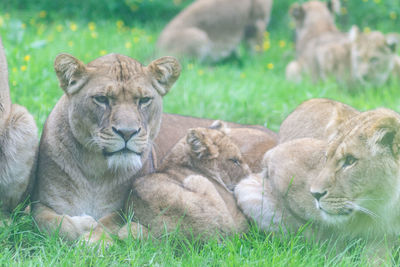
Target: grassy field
[[253, 91]]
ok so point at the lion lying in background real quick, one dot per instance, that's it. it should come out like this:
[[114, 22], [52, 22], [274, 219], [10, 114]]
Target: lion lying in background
[[192, 189], [347, 187], [18, 145], [211, 30], [323, 51]]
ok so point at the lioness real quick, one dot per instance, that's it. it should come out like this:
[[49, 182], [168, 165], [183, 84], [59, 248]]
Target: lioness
[[210, 30], [193, 187], [322, 50], [348, 188], [97, 139], [18, 145], [315, 118]]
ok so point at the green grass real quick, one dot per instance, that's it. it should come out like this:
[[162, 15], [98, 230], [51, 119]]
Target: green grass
[[254, 92]]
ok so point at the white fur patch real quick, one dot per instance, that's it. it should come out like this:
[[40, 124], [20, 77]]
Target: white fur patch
[[125, 163]]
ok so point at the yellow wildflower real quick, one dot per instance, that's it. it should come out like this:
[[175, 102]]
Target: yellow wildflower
[[282, 43], [190, 66], [23, 68], [128, 45], [42, 14], [136, 39], [1, 21], [73, 27], [266, 45], [23, 26], [270, 66], [393, 15], [94, 35], [59, 28], [92, 26], [14, 69], [27, 58], [120, 24], [14, 83], [343, 10], [200, 72], [367, 30], [103, 52], [70, 43]]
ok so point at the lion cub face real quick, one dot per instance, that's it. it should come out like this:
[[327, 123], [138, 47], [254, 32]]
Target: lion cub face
[[116, 104], [361, 176], [215, 155], [373, 56]]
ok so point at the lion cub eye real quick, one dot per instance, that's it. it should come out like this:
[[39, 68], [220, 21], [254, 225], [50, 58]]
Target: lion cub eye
[[235, 161], [145, 101], [348, 161], [101, 99]]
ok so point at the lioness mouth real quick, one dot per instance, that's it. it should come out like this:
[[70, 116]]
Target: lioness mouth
[[121, 152], [343, 212]]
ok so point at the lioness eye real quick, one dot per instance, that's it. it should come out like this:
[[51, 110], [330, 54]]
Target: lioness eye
[[348, 161], [235, 161], [101, 99], [144, 100]]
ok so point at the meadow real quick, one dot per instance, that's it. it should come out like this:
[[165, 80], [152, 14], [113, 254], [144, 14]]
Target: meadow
[[251, 90]]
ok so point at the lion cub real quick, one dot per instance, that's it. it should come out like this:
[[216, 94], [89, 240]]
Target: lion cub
[[18, 145], [348, 187], [351, 58], [193, 187], [211, 30]]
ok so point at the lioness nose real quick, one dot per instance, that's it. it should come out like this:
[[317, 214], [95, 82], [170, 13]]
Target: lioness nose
[[126, 133], [318, 195]]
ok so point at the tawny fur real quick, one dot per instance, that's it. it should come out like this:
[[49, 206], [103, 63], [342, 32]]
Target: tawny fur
[[317, 118], [252, 140], [192, 190], [348, 188], [18, 145], [211, 30], [96, 140], [323, 51]]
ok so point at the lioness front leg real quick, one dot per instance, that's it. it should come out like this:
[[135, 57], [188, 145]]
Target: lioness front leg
[[69, 227]]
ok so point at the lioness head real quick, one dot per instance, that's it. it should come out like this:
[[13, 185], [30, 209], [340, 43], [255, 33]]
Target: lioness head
[[373, 56], [214, 154], [314, 13], [115, 104], [360, 178]]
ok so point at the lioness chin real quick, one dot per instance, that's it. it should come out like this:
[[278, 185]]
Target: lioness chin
[[347, 187], [96, 140], [18, 146], [192, 189]]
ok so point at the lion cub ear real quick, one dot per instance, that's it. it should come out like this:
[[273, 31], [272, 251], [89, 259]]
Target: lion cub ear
[[71, 73], [164, 71], [220, 126], [387, 134], [201, 145], [393, 40], [297, 12]]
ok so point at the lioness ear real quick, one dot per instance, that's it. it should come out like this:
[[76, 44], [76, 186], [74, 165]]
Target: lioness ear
[[393, 40], [220, 126], [200, 144], [297, 12], [334, 6], [387, 134], [165, 71], [71, 73]]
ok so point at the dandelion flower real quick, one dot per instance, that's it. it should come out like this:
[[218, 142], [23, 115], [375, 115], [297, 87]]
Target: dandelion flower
[[103, 52], [200, 72], [23, 68], [94, 35], [266, 45], [282, 43], [42, 14], [23, 26], [92, 26], [70, 43], [136, 39], [190, 66], [393, 15], [367, 30], [73, 27], [128, 45], [270, 66], [120, 24], [27, 58]]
